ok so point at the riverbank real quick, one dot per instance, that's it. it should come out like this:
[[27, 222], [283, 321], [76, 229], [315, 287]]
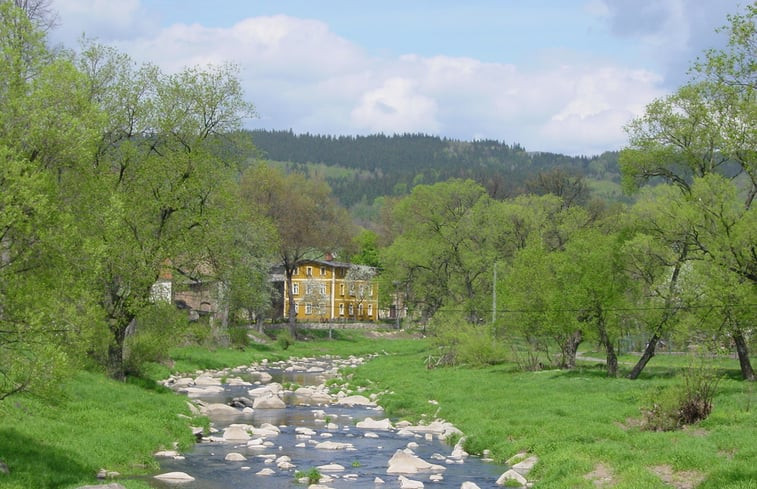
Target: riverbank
[[583, 426]]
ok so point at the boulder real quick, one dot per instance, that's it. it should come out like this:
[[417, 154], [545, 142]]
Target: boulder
[[524, 466], [265, 471], [235, 433], [511, 475], [469, 485], [218, 409], [407, 463], [331, 468], [372, 424], [270, 401], [175, 477], [355, 401], [333, 445], [406, 483], [112, 485], [235, 457], [166, 454]]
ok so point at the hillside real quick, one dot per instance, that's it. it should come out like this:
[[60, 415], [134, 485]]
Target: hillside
[[362, 168]]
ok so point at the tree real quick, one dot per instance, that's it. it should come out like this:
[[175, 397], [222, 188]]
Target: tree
[[152, 176], [307, 219], [45, 313], [569, 186], [701, 133], [443, 252]]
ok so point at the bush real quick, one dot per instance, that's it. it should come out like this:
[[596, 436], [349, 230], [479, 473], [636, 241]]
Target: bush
[[238, 335], [158, 328], [684, 403], [462, 343], [284, 339]]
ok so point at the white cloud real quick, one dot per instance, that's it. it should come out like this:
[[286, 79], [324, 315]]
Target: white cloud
[[102, 19], [301, 75]]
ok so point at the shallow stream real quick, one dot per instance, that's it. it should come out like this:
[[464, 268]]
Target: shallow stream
[[363, 464]]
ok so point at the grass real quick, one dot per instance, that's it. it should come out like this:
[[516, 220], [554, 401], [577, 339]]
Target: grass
[[572, 420], [94, 423]]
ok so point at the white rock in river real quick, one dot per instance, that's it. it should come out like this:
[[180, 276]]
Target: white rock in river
[[271, 401], [406, 463], [334, 445], [265, 471], [235, 457], [406, 483], [469, 485], [175, 477], [511, 475], [372, 424], [355, 401], [235, 433], [218, 409]]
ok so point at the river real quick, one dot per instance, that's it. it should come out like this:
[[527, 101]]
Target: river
[[364, 454]]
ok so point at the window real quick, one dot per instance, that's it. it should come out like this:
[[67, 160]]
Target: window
[[323, 271], [341, 289], [361, 290], [360, 310], [295, 288], [341, 309], [370, 310], [321, 309], [370, 291], [296, 307], [308, 308], [295, 271], [309, 271], [308, 289], [323, 289], [352, 309], [352, 289]]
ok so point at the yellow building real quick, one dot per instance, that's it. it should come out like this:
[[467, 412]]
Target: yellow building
[[326, 290]]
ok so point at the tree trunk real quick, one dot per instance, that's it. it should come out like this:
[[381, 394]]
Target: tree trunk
[[645, 357], [116, 368], [570, 347], [747, 373], [292, 314], [612, 358]]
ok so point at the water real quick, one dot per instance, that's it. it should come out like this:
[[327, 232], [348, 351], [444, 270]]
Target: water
[[369, 459]]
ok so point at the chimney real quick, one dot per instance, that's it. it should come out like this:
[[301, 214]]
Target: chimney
[[328, 256]]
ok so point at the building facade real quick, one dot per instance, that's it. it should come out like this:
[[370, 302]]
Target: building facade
[[325, 290]]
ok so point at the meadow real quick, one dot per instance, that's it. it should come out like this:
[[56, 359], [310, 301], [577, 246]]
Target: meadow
[[584, 427]]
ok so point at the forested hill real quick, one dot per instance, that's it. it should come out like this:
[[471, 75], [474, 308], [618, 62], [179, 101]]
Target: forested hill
[[361, 168]]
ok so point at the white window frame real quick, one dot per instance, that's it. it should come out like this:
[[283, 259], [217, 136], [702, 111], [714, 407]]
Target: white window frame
[[309, 271], [295, 288], [352, 309], [370, 310], [308, 308], [341, 309]]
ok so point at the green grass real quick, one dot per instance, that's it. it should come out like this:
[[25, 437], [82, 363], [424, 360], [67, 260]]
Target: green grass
[[573, 420], [95, 423]]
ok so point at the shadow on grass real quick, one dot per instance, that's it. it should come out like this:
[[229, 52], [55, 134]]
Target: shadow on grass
[[32, 464]]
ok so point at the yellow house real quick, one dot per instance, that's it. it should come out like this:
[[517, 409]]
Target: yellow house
[[325, 290]]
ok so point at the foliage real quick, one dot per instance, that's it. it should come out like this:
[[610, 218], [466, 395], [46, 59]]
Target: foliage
[[313, 476], [686, 402], [462, 343], [284, 339], [158, 327]]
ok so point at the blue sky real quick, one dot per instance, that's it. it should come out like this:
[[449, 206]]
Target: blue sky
[[552, 75]]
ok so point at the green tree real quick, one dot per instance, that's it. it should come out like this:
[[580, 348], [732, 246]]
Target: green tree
[[153, 177], [307, 219]]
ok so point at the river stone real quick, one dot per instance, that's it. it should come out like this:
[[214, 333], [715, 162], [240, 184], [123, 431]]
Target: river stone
[[112, 485], [378, 480], [175, 477], [334, 445], [265, 471], [524, 467], [372, 424], [370, 434], [235, 457], [406, 483], [511, 475], [235, 433], [331, 468], [204, 380], [436, 477], [271, 401], [304, 430], [356, 400], [219, 409], [406, 463], [166, 454], [469, 485]]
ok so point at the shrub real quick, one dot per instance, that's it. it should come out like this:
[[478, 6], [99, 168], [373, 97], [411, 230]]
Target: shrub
[[686, 402], [284, 339], [158, 328], [462, 343], [312, 475]]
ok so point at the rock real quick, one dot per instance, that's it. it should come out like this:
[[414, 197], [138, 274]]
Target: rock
[[333, 445], [235, 433], [469, 485], [107, 474], [166, 454], [303, 430], [378, 480], [241, 402], [204, 380], [511, 475], [112, 485], [218, 409], [406, 463], [265, 471], [175, 477], [406, 483], [355, 401], [371, 434], [372, 424], [270, 401], [235, 457], [331, 468], [4, 467], [436, 477], [524, 467]]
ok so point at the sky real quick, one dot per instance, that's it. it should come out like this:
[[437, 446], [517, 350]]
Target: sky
[[551, 75]]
